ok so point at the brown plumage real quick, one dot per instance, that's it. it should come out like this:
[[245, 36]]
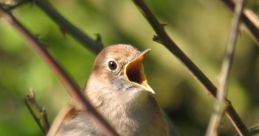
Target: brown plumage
[[118, 88]]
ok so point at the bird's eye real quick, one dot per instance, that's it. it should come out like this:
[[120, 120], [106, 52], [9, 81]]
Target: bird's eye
[[112, 65]]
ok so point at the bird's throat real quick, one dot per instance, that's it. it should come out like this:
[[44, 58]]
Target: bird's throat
[[134, 72]]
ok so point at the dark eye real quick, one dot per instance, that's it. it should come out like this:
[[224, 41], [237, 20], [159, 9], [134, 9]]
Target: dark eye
[[112, 65]]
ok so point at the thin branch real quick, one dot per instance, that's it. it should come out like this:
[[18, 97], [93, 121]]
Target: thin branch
[[72, 87], [164, 39], [216, 117], [248, 18], [35, 109], [67, 27]]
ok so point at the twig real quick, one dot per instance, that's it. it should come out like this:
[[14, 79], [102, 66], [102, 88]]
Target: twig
[[72, 87], [219, 108], [65, 26], [68, 27], [246, 17], [163, 38], [35, 109]]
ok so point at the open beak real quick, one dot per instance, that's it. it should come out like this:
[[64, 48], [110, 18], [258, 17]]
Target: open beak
[[134, 72]]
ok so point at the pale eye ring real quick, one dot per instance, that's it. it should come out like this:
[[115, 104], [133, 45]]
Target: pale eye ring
[[112, 65]]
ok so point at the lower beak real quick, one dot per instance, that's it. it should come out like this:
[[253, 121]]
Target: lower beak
[[134, 72]]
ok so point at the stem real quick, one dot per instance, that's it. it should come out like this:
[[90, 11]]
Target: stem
[[68, 27], [225, 72], [35, 109], [163, 38], [248, 18]]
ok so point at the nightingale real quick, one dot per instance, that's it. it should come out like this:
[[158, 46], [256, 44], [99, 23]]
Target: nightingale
[[117, 87]]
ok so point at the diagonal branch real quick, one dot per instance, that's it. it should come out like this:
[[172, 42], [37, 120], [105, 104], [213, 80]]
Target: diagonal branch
[[38, 113], [225, 72], [163, 38], [248, 18], [72, 87], [68, 27]]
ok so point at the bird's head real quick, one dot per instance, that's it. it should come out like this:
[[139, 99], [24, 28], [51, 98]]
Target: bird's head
[[119, 69]]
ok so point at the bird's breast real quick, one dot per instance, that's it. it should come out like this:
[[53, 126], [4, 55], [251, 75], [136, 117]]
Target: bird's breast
[[136, 119]]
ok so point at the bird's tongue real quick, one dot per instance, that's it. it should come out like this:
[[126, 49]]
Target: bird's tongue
[[134, 71]]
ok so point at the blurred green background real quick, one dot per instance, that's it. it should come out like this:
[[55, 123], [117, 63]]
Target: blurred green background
[[199, 27]]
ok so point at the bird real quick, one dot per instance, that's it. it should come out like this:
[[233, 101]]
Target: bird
[[117, 87]]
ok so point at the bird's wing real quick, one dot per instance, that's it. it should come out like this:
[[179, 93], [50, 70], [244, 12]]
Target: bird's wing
[[64, 114], [72, 122]]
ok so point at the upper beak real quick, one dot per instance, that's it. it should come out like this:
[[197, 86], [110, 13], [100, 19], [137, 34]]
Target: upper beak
[[134, 72]]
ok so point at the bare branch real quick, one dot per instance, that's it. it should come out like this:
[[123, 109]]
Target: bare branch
[[198, 74], [248, 18], [63, 23], [38, 113], [68, 27], [72, 87], [219, 106]]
